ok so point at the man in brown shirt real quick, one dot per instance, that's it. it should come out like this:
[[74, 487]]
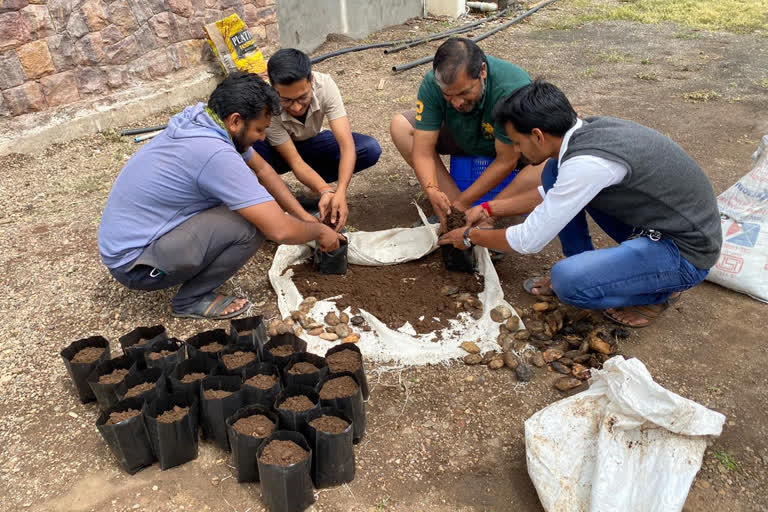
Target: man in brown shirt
[[297, 142]]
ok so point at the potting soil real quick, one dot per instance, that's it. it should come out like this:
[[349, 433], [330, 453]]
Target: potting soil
[[173, 415], [257, 425], [88, 355], [117, 417], [139, 389], [281, 350], [212, 347], [344, 361], [159, 355], [329, 424], [283, 453], [339, 387], [455, 220], [261, 381], [302, 368], [237, 359], [192, 377], [395, 294], [116, 377], [297, 403], [216, 394]]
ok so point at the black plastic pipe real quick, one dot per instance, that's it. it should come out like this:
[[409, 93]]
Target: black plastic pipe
[[136, 131], [425, 60], [321, 58]]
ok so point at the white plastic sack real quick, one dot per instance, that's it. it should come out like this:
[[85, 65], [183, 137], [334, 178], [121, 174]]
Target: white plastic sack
[[626, 444], [402, 346], [743, 263]]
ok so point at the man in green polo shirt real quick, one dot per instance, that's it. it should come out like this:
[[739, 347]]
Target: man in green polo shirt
[[454, 116]]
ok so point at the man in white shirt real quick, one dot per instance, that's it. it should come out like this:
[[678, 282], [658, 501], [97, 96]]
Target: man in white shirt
[[638, 185], [297, 142]]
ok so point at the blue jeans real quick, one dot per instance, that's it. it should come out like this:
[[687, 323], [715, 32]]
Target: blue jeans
[[322, 154], [639, 271]]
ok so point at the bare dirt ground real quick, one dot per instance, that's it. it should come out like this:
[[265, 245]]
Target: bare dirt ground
[[439, 438]]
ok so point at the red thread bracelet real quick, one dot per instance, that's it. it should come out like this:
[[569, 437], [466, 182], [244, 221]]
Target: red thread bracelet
[[487, 207]]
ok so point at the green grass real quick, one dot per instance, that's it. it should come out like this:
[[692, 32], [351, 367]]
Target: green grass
[[740, 16], [764, 84], [590, 72], [727, 461], [651, 77], [702, 96], [614, 56]]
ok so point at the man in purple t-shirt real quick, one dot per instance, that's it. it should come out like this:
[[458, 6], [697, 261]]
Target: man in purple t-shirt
[[193, 205]]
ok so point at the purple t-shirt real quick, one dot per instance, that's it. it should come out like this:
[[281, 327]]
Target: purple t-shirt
[[190, 167]]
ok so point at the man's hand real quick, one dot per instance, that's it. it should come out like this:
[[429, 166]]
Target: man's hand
[[324, 205], [454, 238], [339, 210], [329, 239], [440, 204], [460, 206], [476, 215]]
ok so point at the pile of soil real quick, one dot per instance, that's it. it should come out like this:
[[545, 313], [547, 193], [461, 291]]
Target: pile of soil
[[116, 377], [139, 389], [173, 415], [117, 417], [302, 368], [396, 293], [281, 351], [344, 361], [339, 387], [297, 403], [455, 220], [88, 355], [238, 359], [159, 355], [192, 377], [257, 425], [283, 453], [330, 424], [261, 381], [212, 347], [216, 394]]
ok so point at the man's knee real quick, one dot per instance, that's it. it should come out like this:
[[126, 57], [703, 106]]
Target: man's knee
[[400, 127], [368, 152], [567, 282]]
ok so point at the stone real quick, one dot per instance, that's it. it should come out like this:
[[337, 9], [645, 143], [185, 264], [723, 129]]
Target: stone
[[470, 347], [566, 361], [59, 11], [35, 59], [316, 332], [23, 99], [342, 330], [11, 72], [146, 39], [473, 302], [476, 314], [489, 356], [159, 6], [541, 306], [538, 360], [141, 10], [62, 52], [181, 7], [535, 326], [344, 318], [284, 328], [512, 324], [14, 30], [580, 372], [598, 345], [567, 383], [357, 320], [12, 5], [95, 16], [500, 314], [39, 21], [552, 354], [314, 325], [332, 319], [560, 368], [522, 334], [472, 359], [120, 14], [329, 336], [496, 363], [448, 290], [76, 26], [89, 50], [163, 25], [111, 35], [524, 373], [60, 89], [157, 63], [352, 338], [510, 360], [273, 33]]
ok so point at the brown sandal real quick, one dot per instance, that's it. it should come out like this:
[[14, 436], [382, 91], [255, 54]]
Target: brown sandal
[[650, 312]]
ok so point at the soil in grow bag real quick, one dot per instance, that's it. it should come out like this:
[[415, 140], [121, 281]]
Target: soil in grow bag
[[300, 368], [284, 462], [293, 404], [207, 343], [280, 348], [107, 377], [257, 425], [172, 426], [305, 369], [297, 403], [420, 292], [334, 262], [81, 357], [122, 427], [221, 399], [339, 387], [136, 342], [330, 435], [342, 391], [250, 330], [149, 381], [347, 358], [262, 381], [247, 429], [173, 415], [165, 354], [458, 260], [236, 358], [261, 385], [330, 424]]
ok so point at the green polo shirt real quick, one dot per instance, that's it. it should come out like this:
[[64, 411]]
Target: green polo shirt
[[475, 132]]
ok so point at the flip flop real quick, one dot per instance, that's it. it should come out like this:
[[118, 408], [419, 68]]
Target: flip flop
[[644, 312], [545, 290], [210, 308]]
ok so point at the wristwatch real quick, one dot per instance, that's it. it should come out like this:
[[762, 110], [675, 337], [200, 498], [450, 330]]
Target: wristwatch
[[467, 241]]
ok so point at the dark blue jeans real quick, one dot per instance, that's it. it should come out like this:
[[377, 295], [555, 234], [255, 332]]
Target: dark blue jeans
[[322, 154], [639, 271]]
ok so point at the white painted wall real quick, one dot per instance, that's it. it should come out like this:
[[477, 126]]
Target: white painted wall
[[451, 8]]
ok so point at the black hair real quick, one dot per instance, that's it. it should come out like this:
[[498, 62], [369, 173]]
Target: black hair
[[455, 54], [244, 93], [537, 105], [289, 65]]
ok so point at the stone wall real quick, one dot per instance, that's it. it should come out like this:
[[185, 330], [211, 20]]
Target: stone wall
[[58, 52]]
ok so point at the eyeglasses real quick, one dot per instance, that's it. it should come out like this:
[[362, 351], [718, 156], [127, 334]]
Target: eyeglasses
[[301, 100]]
